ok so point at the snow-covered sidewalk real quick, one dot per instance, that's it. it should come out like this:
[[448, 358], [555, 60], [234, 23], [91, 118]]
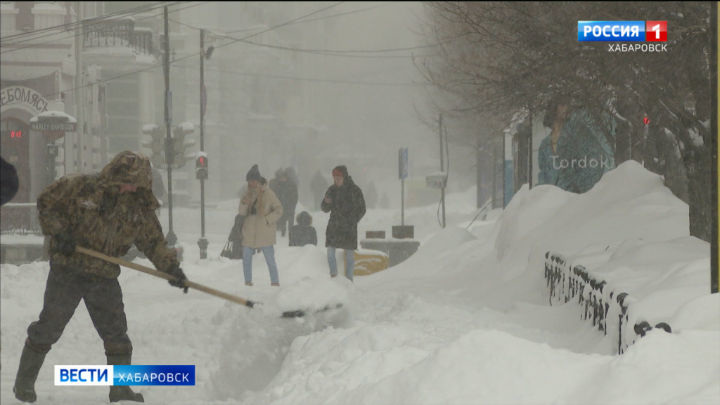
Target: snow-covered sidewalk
[[466, 320]]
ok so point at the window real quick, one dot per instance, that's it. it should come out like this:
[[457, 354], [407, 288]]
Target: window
[[48, 14]]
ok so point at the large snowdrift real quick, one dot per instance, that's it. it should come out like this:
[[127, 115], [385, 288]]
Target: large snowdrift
[[465, 320]]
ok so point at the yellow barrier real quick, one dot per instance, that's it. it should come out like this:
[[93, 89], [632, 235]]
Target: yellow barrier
[[369, 262]]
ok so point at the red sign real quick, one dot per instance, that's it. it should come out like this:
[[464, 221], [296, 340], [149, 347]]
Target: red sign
[[655, 31]]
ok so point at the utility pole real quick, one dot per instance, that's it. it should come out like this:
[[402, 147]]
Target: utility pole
[[494, 173], [403, 173], [478, 175], [402, 202], [202, 242], [80, 95], [530, 150], [169, 149], [442, 169], [504, 171]]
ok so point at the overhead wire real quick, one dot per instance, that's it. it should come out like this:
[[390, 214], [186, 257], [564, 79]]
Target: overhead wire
[[74, 24], [331, 52], [76, 34], [309, 79], [195, 54], [88, 22]]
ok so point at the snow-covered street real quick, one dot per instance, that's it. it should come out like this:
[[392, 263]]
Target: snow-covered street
[[466, 320]]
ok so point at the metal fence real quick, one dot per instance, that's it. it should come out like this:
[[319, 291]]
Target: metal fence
[[608, 308], [117, 33]]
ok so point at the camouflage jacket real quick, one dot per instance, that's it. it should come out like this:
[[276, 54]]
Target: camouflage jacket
[[97, 216]]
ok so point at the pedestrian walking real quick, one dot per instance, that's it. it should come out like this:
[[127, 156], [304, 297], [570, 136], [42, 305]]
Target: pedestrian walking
[[261, 209], [345, 202]]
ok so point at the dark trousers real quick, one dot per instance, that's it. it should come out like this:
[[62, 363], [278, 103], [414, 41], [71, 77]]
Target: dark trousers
[[286, 221], [103, 300]]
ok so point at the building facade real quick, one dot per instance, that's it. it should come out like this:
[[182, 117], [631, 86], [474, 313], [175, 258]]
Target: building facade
[[98, 62]]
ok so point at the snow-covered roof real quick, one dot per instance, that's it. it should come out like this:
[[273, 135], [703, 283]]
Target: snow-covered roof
[[54, 114]]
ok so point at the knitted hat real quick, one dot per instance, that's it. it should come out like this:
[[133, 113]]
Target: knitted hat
[[340, 171], [253, 174]]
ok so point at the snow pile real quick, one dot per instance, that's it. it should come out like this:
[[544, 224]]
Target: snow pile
[[465, 320], [628, 203], [629, 231]]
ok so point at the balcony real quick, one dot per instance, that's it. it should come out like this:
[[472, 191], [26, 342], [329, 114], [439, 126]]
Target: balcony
[[117, 42]]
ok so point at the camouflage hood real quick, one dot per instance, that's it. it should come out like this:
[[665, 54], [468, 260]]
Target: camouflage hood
[[128, 168]]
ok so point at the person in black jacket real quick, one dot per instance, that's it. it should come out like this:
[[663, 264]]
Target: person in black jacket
[[9, 182], [303, 233], [345, 202]]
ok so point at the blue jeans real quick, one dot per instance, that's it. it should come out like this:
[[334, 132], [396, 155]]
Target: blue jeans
[[349, 262], [269, 252]]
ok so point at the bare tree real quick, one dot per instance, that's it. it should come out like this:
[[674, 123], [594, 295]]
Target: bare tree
[[497, 58]]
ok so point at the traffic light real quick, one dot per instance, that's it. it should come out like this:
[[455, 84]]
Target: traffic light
[[154, 139], [201, 166], [181, 144]]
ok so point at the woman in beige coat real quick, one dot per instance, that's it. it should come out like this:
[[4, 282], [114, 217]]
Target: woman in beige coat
[[262, 209]]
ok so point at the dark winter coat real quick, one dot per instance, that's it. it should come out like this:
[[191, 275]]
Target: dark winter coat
[[9, 182], [347, 207], [301, 235]]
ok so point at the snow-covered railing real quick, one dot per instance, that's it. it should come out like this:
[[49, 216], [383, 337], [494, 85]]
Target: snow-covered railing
[[117, 32], [605, 306]]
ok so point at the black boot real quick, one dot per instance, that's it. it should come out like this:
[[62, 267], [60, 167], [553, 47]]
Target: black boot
[[30, 362], [122, 392]]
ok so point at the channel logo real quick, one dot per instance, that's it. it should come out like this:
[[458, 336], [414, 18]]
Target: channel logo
[[94, 375], [622, 31]]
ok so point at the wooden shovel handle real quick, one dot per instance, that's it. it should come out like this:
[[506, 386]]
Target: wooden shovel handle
[[166, 276]]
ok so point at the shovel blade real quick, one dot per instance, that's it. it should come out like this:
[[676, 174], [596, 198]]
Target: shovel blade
[[301, 313]]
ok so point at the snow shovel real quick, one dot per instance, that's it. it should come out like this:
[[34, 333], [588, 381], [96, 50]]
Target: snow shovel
[[188, 283]]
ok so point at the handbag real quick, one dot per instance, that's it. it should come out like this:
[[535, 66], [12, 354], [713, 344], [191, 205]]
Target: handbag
[[233, 247], [236, 232], [232, 250], [227, 250]]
